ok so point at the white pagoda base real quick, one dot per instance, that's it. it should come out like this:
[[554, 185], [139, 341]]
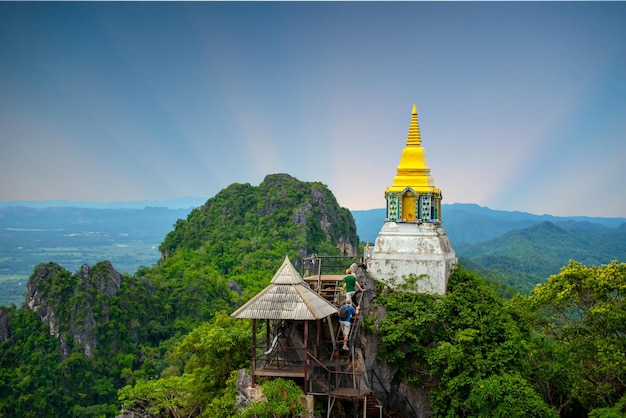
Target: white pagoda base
[[413, 257]]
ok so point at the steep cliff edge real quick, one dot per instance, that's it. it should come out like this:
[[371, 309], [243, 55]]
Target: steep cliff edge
[[389, 387]]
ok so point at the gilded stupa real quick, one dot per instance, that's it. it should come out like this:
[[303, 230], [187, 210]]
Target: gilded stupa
[[412, 248]]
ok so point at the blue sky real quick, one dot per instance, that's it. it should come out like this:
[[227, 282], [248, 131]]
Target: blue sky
[[522, 106]]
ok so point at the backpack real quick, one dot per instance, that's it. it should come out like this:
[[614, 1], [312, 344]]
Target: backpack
[[344, 313]]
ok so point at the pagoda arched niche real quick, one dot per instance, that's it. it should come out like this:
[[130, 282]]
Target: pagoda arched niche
[[415, 207], [409, 205]]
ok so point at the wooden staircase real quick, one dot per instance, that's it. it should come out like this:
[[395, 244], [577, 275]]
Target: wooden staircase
[[372, 407], [328, 286]]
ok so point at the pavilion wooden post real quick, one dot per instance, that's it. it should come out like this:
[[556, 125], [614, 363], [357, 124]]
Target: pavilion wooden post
[[318, 337], [254, 351], [306, 356], [267, 340]]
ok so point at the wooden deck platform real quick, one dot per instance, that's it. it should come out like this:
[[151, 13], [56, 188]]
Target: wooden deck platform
[[325, 278], [326, 285], [349, 393], [288, 370]]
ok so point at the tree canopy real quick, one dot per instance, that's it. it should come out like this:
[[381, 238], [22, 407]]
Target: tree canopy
[[163, 340]]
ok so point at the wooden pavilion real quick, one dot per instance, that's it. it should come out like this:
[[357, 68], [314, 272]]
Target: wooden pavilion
[[300, 339], [286, 299]]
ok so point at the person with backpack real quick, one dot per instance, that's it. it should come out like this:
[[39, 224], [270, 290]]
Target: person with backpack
[[345, 314]]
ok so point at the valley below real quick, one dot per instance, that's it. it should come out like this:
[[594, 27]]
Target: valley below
[[71, 237], [511, 247]]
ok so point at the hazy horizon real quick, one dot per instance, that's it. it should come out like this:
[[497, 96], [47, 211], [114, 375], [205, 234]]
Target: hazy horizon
[[190, 202]]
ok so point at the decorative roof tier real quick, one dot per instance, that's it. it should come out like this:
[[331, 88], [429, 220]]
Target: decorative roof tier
[[413, 170], [286, 297]]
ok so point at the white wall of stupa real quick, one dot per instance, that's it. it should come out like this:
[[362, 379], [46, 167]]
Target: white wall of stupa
[[414, 257]]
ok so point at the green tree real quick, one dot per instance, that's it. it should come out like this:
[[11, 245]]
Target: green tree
[[210, 354], [505, 395], [465, 345], [166, 396], [617, 411], [583, 308], [283, 399], [215, 349]]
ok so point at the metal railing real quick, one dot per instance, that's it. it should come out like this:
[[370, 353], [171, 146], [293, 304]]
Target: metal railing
[[278, 357], [336, 380], [314, 264], [404, 400]]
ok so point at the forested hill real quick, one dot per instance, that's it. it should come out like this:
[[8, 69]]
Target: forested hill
[[525, 257], [161, 343], [111, 330], [281, 208]]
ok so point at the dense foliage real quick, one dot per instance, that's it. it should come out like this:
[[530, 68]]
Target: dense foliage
[[582, 310], [244, 232], [156, 325], [470, 340], [561, 350], [212, 354], [163, 340], [41, 375], [194, 382]]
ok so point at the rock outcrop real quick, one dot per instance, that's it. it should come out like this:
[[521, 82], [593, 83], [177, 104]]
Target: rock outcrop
[[390, 390], [84, 296], [36, 298], [4, 326]]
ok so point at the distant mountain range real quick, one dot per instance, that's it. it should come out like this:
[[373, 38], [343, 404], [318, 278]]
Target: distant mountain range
[[468, 223], [516, 248]]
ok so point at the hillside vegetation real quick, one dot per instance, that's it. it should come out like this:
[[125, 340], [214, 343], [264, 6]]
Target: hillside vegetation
[[109, 336], [558, 352], [524, 258], [161, 342], [71, 236], [244, 232]]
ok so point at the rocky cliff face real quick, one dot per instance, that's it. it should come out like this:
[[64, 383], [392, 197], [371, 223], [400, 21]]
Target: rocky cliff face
[[4, 326], [37, 301], [73, 304], [390, 390]]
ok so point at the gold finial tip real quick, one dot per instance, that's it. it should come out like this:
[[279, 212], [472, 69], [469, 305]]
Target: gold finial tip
[[414, 109]]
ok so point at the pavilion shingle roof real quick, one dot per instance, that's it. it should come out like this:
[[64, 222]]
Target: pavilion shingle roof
[[286, 297]]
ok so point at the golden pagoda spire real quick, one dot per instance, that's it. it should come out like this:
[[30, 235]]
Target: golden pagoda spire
[[414, 137], [413, 170], [413, 197]]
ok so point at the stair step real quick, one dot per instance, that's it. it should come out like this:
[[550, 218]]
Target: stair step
[[372, 405]]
